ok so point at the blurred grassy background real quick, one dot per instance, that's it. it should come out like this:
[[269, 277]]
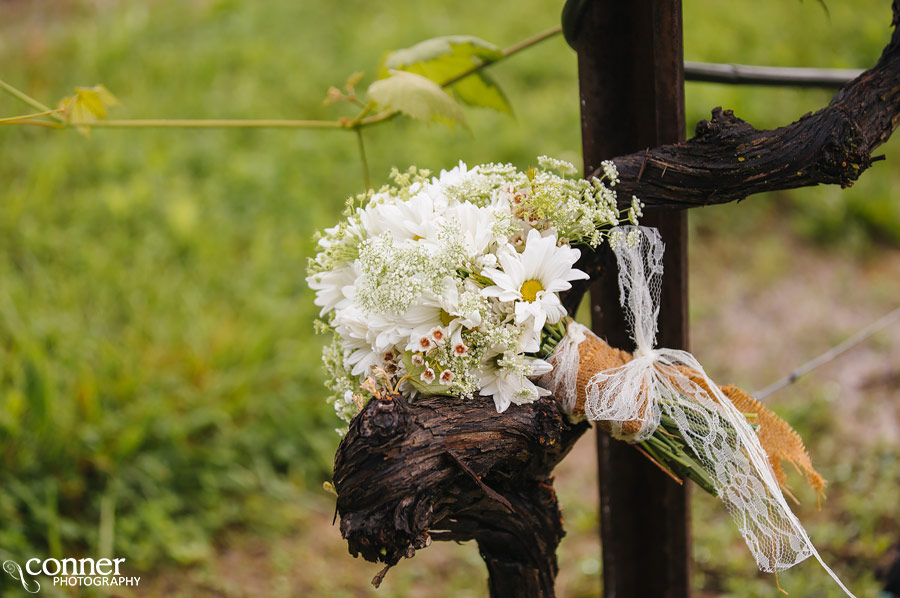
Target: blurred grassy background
[[160, 395]]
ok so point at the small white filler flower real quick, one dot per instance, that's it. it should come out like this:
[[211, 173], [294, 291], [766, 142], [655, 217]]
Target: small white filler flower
[[509, 383]]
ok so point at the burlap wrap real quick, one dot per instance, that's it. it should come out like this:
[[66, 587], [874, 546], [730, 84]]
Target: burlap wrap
[[778, 439]]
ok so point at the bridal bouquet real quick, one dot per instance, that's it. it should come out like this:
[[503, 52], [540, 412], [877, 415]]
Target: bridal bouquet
[[450, 285]]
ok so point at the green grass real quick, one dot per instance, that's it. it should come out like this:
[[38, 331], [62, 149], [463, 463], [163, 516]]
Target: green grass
[[159, 380]]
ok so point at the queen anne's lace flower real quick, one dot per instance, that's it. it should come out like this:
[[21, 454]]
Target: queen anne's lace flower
[[442, 285]]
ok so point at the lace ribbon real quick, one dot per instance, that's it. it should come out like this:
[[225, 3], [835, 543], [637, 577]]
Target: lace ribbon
[[631, 399]]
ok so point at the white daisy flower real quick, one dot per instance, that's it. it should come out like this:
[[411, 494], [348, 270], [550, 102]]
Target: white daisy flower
[[532, 279], [408, 329], [382, 330], [366, 338], [359, 358]]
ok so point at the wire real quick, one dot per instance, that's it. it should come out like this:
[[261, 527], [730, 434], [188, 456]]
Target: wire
[[742, 74], [836, 351]]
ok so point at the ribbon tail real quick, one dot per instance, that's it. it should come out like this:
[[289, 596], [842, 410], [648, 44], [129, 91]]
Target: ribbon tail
[[831, 573], [731, 451]]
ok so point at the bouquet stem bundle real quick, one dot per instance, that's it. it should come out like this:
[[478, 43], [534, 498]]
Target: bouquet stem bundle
[[666, 447]]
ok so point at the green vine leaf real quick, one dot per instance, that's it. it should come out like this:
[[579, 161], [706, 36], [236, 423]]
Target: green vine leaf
[[417, 97], [89, 104], [444, 59]]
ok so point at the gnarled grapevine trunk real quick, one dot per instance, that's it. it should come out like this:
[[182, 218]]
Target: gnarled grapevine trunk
[[454, 469]]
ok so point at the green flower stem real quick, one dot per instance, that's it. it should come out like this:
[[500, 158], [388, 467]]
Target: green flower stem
[[366, 109], [647, 446], [35, 123], [531, 41], [677, 458], [551, 335]]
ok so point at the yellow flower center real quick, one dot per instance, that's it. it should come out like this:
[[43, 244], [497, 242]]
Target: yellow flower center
[[445, 318], [530, 289]]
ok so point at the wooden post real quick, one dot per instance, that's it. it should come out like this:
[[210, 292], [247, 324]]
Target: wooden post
[[631, 76]]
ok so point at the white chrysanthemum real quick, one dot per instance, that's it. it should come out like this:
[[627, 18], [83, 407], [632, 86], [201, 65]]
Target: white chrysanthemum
[[475, 226], [508, 383], [532, 279], [454, 176], [413, 219], [360, 352], [334, 289]]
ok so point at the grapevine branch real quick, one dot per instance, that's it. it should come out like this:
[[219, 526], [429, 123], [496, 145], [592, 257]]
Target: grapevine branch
[[362, 119], [729, 159], [437, 469]]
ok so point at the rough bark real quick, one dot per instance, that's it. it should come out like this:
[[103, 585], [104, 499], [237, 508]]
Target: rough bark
[[449, 469], [454, 469]]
